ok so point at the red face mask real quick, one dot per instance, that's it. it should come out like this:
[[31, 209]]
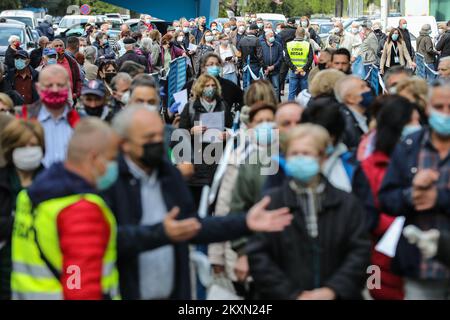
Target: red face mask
[[18, 44], [54, 99], [60, 50]]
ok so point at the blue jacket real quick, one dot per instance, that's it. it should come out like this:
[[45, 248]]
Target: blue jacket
[[272, 55], [107, 51], [124, 198], [395, 199], [57, 182]]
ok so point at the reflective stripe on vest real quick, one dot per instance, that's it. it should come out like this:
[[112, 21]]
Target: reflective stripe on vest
[[298, 52], [31, 278]]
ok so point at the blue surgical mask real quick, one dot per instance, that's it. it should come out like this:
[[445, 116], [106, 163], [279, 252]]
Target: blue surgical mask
[[272, 39], [440, 123], [264, 133], [302, 168], [209, 92], [109, 177], [395, 37], [213, 71], [51, 61], [410, 129], [20, 64], [367, 99]]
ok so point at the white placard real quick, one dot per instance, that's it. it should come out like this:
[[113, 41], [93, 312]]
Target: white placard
[[388, 243]]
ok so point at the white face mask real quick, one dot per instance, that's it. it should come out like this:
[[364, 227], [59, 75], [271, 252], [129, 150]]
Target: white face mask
[[82, 49], [227, 30], [180, 39], [336, 30], [27, 158], [241, 29], [125, 98], [441, 31], [355, 30]]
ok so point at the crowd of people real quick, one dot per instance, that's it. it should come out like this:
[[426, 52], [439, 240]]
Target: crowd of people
[[102, 183]]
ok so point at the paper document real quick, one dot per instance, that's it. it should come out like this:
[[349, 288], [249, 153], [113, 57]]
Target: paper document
[[213, 120], [215, 125], [388, 243], [182, 98], [192, 47]]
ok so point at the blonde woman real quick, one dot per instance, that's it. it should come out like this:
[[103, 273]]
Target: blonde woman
[[229, 55], [206, 98]]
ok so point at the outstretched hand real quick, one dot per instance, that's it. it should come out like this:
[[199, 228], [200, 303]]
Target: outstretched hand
[[259, 219]]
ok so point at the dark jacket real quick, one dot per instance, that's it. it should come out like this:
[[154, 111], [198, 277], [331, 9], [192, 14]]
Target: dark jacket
[[444, 44], [288, 34], [353, 132], [443, 253], [7, 205], [232, 94], [5, 87], [132, 56], [424, 46], [198, 34], [76, 75], [106, 50], [10, 57], [46, 29], [203, 173], [314, 36], [250, 46], [34, 78], [36, 57], [381, 41], [282, 264], [308, 64], [134, 238], [272, 55], [407, 38], [395, 199]]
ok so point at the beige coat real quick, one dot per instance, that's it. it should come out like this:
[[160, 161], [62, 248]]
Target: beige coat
[[405, 59]]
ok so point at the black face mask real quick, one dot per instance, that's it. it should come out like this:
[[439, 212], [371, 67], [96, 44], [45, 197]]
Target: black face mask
[[109, 76], [233, 28], [94, 112], [322, 66], [153, 154]]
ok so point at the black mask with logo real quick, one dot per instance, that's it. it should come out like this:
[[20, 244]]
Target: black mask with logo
[[153, 154]]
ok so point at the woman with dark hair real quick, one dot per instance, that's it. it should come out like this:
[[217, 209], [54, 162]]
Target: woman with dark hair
[[104, 50], [395, 52], [392, 119], [106, 71]]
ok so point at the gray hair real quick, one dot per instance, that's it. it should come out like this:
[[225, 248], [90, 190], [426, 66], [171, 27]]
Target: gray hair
[[122, 122], [43, 38], [439, 83], [90, 53], [121, 76], [13, 38], [343, 86], [445, 59], [146, 44]]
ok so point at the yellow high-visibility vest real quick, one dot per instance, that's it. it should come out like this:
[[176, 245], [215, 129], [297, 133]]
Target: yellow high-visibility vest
[[298, 51], [35, 239]]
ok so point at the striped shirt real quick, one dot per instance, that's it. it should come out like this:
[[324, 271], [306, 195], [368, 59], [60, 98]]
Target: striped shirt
[[57, 132]]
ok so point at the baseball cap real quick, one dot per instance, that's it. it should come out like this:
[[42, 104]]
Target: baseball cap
[[49, 52], [95, 87], [23, 54], [254, 26]]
